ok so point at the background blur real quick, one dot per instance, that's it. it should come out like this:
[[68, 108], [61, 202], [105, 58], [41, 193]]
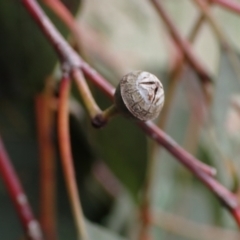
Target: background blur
[[117, 37]]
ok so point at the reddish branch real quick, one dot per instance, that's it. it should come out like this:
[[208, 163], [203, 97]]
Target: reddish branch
[[177, 72], [45, 121], [66, 156], [71, 60], [18, 196], [228, 4], [65, 15], [183, 44]]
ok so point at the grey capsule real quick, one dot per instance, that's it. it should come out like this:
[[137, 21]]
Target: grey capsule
[[140, 95]]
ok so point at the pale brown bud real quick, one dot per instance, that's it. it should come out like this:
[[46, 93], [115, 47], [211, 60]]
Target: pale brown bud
[[139, 95]]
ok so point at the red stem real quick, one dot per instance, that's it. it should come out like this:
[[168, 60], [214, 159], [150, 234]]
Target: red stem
[[183, 44], [18, 196], [66, 157], [44, 115], [153, 131], [66, 54], [229, 4]]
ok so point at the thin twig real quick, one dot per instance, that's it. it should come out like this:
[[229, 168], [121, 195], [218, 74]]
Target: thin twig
[[229, 4], [183, 45], [64, 50], [67, 55], [177, 72], [66, 157], [234, 60], [189, 229], [18, 197], [203, 7], [44, 118], [79, 32], [85, 93], [65, 15]]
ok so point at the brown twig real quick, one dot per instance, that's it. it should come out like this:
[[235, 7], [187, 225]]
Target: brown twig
[[177, 72], [66, 157], [85, 93], [203, 7], [18, 197], [68, 55], [79, 32], [60, 10], [44, 118], [189, 229], [183, 45], [229, 4]]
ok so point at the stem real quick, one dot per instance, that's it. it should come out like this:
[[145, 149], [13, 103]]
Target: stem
[[85, 93], [183, 45], [173, 83], [18, 197], [66, 157], [44, 116], [177, 72], [183, 156], [110, 112], [203, 7], [98, 80], [102, 119], [220, 35], [70, 59], [189, 229], [229, 4], [65, 15], [66, 54], [226, 196]]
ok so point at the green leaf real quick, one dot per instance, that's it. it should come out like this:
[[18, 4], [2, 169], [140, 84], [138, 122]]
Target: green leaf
[[123, 147], [26, 57]]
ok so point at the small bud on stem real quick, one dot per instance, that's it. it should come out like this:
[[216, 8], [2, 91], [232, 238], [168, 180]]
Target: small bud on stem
[[139, 95]]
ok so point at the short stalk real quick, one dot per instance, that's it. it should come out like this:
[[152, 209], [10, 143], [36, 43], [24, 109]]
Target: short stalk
[[85, 93], [100, 120]]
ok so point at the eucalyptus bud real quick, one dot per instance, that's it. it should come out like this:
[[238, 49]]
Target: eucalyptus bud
[[139, 95]]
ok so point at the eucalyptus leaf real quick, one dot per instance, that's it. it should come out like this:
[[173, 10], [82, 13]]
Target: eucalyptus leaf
[[123, 147], [26, 56]]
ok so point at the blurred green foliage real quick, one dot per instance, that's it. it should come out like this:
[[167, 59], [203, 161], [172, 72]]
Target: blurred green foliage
[[116, 42]]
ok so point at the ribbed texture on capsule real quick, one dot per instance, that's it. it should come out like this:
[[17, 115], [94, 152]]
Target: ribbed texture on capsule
[[140, 95]]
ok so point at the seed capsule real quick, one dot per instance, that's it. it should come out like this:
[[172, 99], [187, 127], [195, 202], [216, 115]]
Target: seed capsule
[[140, 95]]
